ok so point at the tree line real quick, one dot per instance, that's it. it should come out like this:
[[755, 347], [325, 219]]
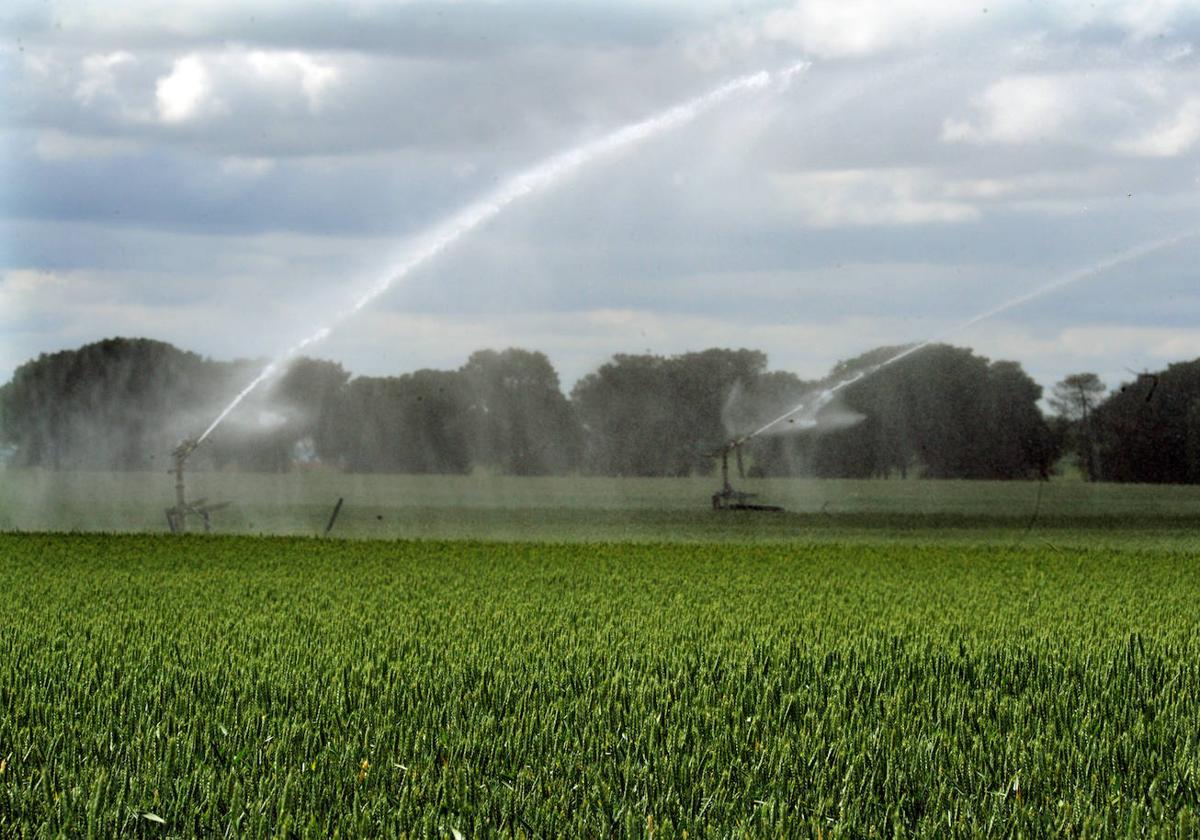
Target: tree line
[[1147, 430], [940, 412]]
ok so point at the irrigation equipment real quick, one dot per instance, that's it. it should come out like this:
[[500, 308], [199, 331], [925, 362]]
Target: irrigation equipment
[[727, 498], [177, 516], [805, 414]]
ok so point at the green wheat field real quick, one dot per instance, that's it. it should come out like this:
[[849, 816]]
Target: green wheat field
[[573, 660]]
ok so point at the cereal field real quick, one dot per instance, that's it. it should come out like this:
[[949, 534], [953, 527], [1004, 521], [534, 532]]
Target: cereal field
[[251, 686]]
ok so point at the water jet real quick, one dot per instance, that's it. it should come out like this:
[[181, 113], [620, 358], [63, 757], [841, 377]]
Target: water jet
[[806, 411]]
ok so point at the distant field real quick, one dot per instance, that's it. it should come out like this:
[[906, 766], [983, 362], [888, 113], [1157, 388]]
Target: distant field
[[597, 509], [239, 686]]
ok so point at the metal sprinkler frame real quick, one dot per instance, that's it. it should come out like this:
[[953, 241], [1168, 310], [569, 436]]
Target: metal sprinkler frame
[[177, 515], [729, 499]]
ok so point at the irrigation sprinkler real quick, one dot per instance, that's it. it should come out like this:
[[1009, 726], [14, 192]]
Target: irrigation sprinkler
[[727, 498], [807, 416], [177, 515]]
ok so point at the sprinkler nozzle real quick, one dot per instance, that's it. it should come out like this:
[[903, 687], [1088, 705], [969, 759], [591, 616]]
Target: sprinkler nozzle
[[185, 448]]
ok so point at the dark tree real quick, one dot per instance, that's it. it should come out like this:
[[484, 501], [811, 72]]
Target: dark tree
[[521, 422], [1021, 440], [650, 415], [313, 391], [942, 412], [1146, 431], [115, 404], [1074, 399], [626, 421], [416, 423]]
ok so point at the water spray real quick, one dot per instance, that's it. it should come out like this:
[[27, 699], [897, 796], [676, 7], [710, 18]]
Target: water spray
[[440, 237], [806, 412], [1089, 273], [534, 180], [546, 175]]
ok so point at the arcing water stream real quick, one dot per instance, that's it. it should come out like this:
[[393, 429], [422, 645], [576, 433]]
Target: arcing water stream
[[534, 180], [550, 172], [809, 408]]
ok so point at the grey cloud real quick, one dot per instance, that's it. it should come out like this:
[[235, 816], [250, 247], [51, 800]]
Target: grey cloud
[[529, 101], [431, 29], [171, 190]]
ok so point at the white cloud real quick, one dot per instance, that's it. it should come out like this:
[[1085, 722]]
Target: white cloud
[[1017, 109], [1115, 351], [872, 197], [834, 28], [45, 67], [247, 81], [1169, 138], [98, 75], [1108, 111], [1159, 343], [831, 29], [1178, 52], [1139, 20], [186, 92], [293, 69], [1146, 19], [79, 299], [23, 290]]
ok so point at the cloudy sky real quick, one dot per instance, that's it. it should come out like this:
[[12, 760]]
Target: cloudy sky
[[227, 175]]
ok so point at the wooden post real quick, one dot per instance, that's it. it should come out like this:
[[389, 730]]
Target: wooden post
[[333, 517]]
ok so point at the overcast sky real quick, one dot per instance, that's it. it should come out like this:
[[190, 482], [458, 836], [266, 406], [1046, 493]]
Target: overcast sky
[[225, 175]]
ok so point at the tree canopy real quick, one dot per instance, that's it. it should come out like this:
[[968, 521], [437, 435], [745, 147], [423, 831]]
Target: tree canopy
[[1148, 430], [939, 412], [652, 415]]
